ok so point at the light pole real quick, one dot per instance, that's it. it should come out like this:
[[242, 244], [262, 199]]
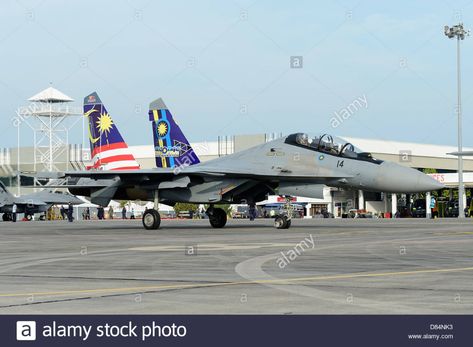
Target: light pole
[[460, 33]]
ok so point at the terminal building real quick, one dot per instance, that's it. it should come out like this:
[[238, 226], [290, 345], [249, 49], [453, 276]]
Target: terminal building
[[52, 107]]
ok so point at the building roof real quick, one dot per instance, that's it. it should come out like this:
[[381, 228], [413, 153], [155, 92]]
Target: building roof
[[50, 95], [396, 148]]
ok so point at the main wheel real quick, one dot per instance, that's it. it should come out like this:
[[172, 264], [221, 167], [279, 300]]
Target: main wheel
[[151, 219], [218, 218], [281, 222], [6, 217]]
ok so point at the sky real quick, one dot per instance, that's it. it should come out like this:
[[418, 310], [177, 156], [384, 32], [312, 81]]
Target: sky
[[224, 67]]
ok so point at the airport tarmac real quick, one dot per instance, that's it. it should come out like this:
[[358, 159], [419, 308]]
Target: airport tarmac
[[343, 266]]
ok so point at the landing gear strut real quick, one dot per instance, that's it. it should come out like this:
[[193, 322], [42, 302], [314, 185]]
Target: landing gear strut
[[217, 217], [283, 220]]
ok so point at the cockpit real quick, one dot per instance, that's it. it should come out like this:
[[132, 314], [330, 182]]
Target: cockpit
[[331, 145]]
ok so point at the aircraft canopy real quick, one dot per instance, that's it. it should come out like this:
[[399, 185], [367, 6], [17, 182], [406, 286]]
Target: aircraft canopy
[[329, 144]]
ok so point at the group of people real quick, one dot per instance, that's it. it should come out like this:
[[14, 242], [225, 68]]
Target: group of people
[[69, 212], [124, 213], [110, 213], [86, 214]]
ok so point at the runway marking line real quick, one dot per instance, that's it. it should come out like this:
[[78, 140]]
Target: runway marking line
[[455, 233], [213, 246], [217, 284]]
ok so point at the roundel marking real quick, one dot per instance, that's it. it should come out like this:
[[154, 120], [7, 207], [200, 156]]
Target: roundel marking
[[162, 128]]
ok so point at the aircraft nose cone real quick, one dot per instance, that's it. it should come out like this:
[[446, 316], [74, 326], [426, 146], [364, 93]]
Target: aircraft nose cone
[[428, 184], [401, 179]]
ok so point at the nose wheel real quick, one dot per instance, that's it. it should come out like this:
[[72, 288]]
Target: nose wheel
[[151, 219], [283, 220]]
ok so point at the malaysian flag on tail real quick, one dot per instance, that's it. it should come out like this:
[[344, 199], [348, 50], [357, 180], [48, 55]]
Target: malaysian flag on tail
[[108, 149], [170, 145]]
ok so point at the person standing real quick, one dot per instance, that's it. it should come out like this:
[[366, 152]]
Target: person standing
[[124, 212], [70, 212], [252, 211], [110, 213], [63, 212], [13, 215]]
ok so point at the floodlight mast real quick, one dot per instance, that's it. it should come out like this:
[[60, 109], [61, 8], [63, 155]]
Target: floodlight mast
[[458, 32]]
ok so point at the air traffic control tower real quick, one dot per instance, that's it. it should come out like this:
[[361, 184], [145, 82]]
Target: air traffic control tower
[[50, 116]]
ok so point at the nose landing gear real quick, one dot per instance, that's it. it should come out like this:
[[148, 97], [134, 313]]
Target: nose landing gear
[[283, 220]]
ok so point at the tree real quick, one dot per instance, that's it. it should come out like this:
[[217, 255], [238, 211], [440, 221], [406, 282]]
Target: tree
[[429, 171], [181, 206], [123, 203]]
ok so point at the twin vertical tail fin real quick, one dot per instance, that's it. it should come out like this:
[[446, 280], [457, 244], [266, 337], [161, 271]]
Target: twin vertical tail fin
[[170, 145], [108, 149], [4, 194]]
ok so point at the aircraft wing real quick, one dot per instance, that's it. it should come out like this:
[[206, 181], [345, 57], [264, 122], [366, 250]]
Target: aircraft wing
[[159, 175], [28, 201], [52, 198], [214, 182]]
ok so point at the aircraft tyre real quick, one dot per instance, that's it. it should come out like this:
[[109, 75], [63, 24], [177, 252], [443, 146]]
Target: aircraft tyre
[[281, 222], [6, 217], [218, 218], [151, 219]]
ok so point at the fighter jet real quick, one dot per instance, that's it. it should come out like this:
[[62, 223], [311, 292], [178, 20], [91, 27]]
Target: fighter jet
[[32, 203], [294, 165]]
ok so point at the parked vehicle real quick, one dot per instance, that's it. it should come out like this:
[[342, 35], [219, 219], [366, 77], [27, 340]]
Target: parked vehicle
[[452, 208], [241, 212], [419, 209]]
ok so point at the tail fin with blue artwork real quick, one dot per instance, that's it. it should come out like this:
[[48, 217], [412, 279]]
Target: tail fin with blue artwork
[[108, 149], [170, 145]]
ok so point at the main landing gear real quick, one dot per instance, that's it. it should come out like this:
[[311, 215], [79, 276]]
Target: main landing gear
[[217, 217], [283, 220], [151, 219]]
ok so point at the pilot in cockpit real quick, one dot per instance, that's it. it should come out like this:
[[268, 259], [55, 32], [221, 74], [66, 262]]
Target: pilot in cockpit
[[303, 139]]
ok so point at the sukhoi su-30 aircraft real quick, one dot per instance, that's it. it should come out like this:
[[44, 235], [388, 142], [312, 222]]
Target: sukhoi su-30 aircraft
[[294, 165]]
